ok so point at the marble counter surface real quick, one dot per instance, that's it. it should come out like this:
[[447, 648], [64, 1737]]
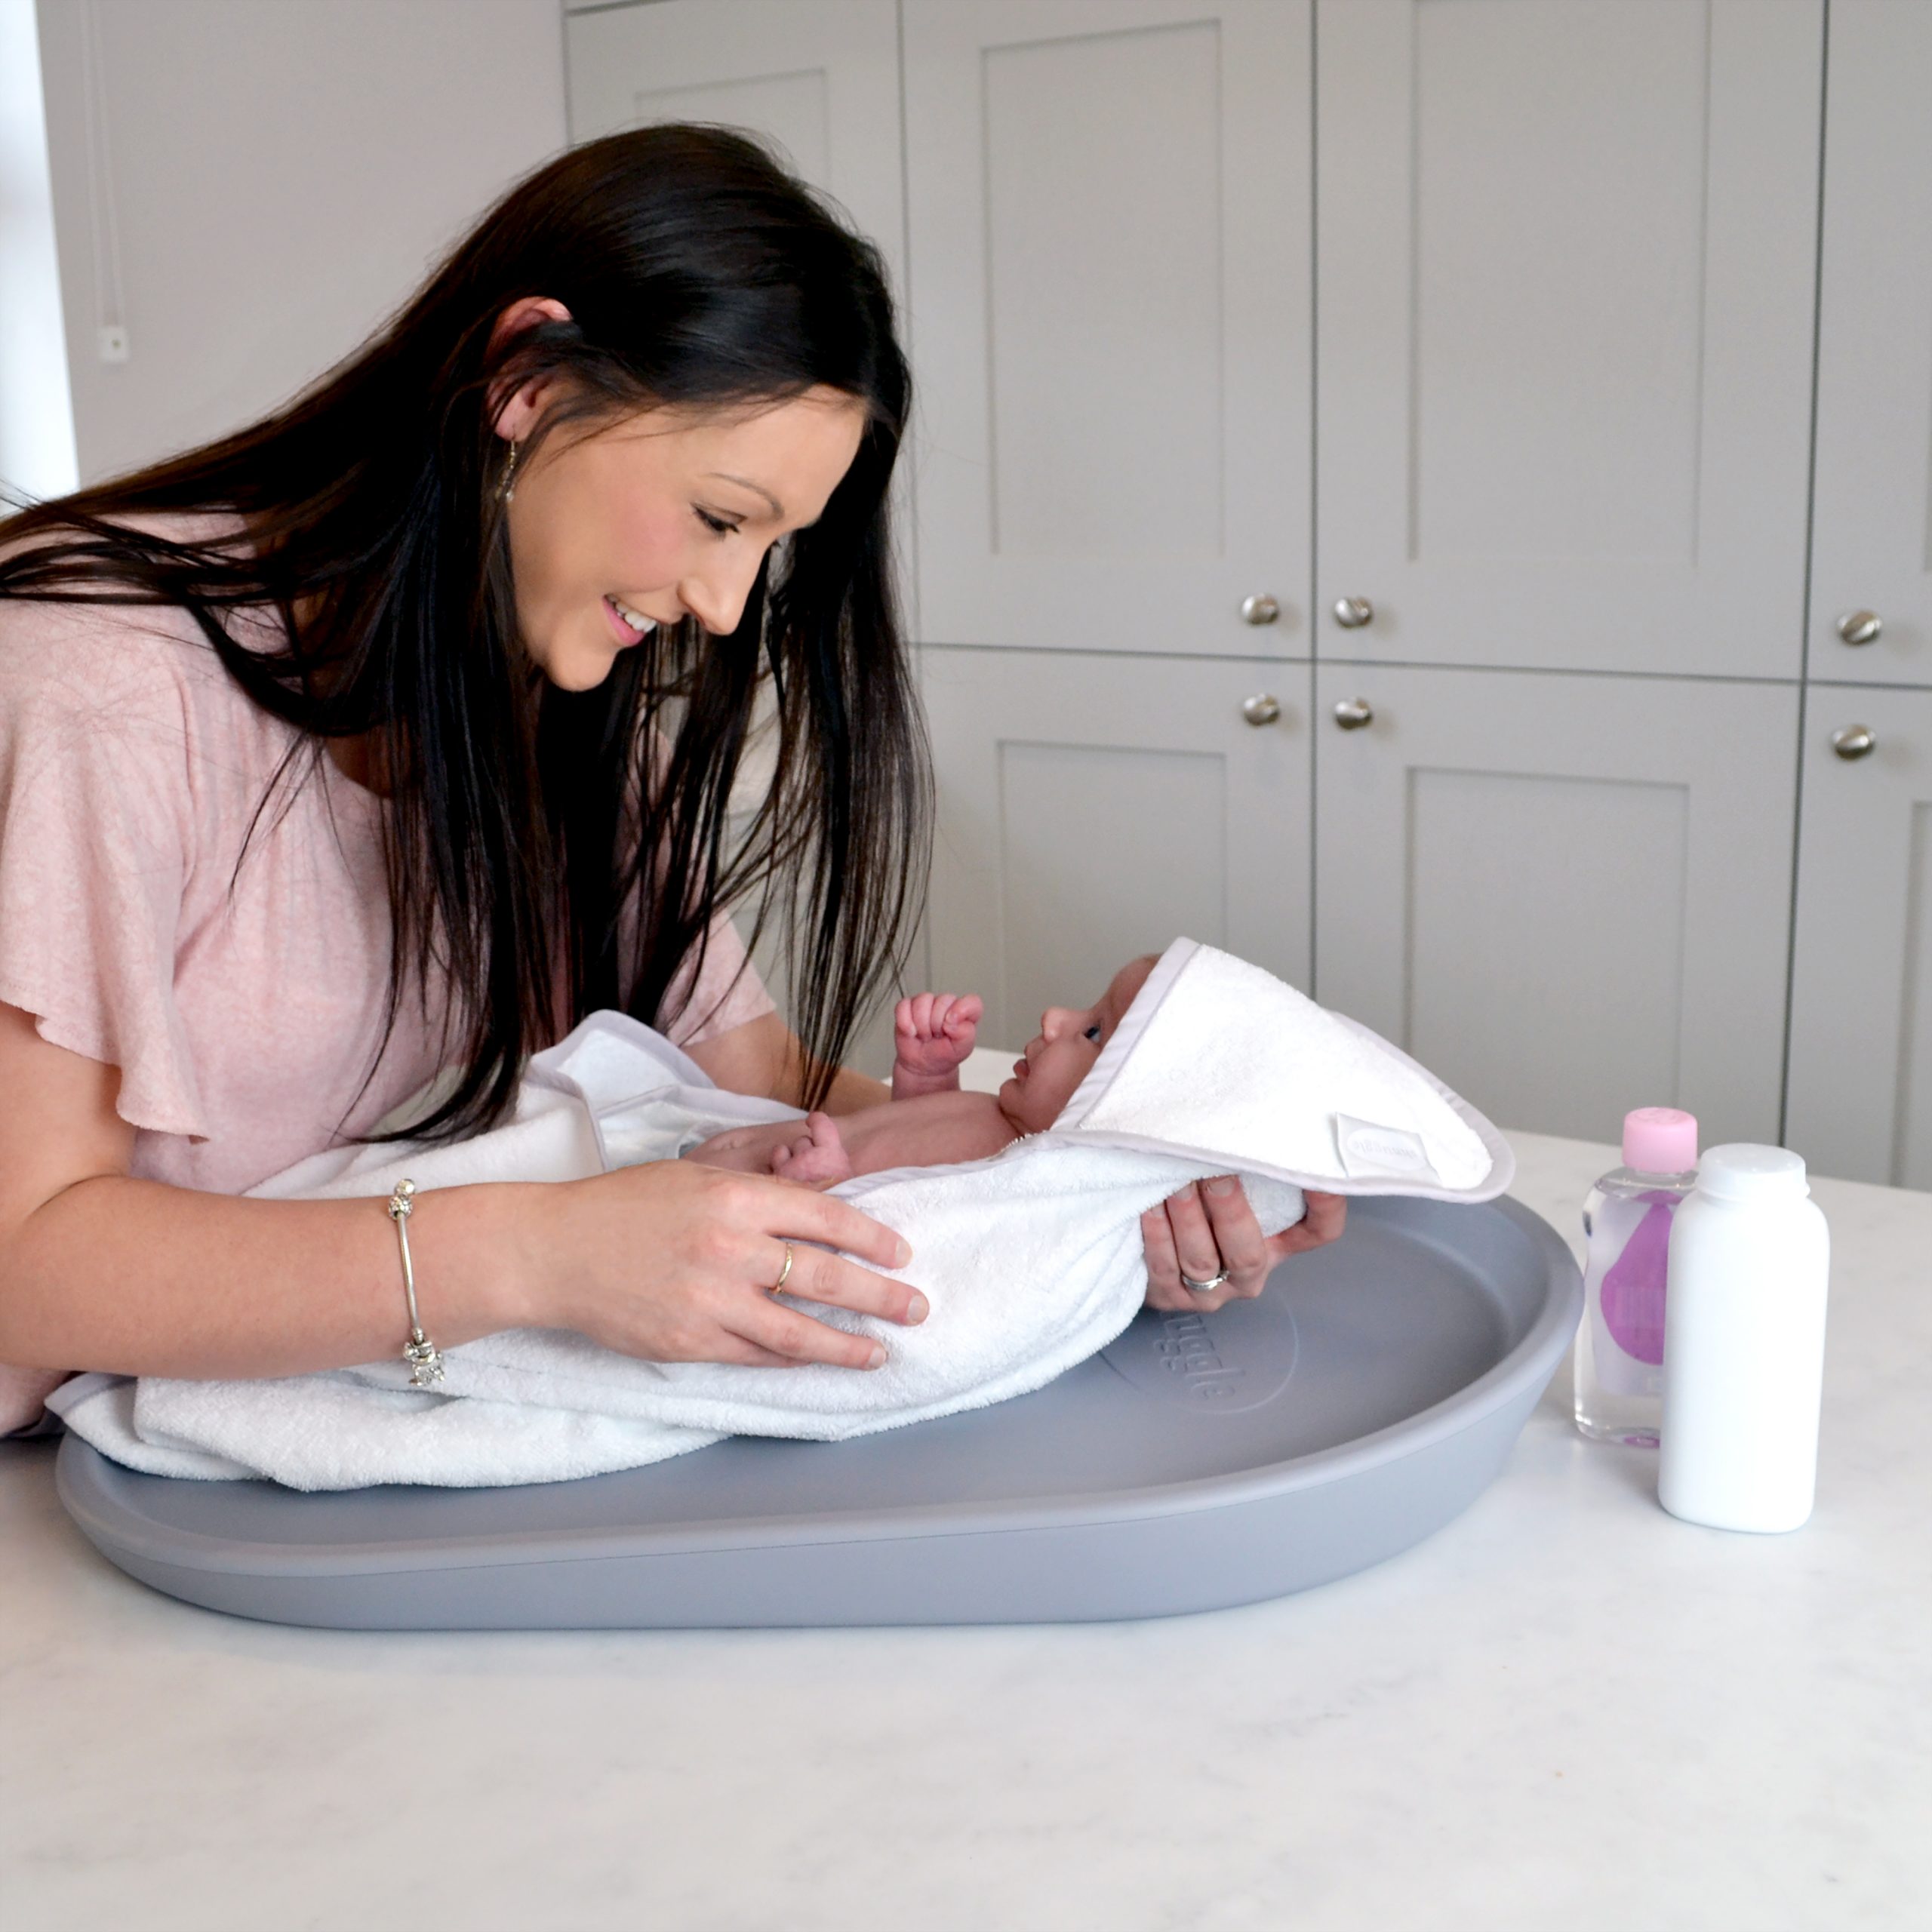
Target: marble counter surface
[[1566, 1710]]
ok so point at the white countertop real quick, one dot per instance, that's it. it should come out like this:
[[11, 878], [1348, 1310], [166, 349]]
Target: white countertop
[[1566, 1709]]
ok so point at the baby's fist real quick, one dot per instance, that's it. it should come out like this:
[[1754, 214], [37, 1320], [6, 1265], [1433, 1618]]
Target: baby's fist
[[933, 1033]]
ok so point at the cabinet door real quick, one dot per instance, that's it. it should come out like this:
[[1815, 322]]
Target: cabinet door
[[1564, 330], [1872, 535], [1860, 1103], [1568, 896], [1108, 210], [1095, 808], [819, 77]]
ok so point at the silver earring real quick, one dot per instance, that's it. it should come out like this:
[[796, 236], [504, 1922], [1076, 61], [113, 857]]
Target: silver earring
[[507, 487]]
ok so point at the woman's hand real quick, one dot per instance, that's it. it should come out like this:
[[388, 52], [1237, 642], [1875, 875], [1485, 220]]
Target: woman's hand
[[1209, 1226], [675, 1262]]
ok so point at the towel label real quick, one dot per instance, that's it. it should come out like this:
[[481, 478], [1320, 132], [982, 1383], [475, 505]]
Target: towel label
[[1367, 1149]]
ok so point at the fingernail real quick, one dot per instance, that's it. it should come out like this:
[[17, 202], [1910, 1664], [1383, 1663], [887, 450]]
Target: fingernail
[[1221, 1188], [902, 1254], [877, 1358], [918, 1308]]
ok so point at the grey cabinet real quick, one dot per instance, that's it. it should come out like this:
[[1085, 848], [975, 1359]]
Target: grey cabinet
[[1872, 537], [1096, 807], [820, 80], [1860, 1096], [1108, 224], [1564, 330], [1567, 895], [1501, 319]]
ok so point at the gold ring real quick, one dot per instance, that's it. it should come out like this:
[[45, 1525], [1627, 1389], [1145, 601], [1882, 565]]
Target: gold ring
[[784, 1273]]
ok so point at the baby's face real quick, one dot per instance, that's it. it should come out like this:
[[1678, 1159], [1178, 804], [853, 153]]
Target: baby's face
[[1062, 1053]]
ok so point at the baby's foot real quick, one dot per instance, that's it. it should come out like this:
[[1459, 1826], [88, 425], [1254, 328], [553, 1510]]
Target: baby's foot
[[818, 1157], [932, 1034]]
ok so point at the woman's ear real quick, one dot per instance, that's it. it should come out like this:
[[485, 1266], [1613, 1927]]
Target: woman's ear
[[513, 416]]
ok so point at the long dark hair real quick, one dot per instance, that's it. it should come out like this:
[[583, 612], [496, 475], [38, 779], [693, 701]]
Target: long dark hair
[[523, 819]]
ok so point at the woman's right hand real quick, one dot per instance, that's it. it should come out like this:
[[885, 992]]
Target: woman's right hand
[[672, 1261]]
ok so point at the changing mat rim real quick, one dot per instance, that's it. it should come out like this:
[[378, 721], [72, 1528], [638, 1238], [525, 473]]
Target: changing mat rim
[[1531, 1360]]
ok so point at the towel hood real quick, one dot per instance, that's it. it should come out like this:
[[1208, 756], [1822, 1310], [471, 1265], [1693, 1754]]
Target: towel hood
[[1218, 1061]]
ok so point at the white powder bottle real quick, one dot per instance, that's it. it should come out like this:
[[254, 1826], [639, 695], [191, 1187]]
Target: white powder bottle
[[1744, 1343]]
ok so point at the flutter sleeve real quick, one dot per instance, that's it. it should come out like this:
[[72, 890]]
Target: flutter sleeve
[[96, 818]]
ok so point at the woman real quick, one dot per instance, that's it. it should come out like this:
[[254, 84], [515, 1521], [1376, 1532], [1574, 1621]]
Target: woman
[[397, 731]]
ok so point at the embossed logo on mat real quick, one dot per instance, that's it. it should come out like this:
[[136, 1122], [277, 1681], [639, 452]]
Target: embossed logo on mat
[[1241, 1360], [1186, 1348]]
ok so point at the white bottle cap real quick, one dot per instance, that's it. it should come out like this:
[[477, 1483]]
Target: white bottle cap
[[1740, 1171]]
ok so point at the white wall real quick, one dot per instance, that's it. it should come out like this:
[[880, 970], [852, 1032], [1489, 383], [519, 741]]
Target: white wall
[[36, 418], [247, 187]]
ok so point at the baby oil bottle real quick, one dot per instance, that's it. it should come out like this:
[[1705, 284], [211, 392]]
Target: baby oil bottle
[[1626, 1223]]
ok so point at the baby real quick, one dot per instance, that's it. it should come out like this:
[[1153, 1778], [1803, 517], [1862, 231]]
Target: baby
[[929, 1122]]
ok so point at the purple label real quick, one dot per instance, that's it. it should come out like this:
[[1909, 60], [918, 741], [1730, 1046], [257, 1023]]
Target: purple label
[[1633, 1289]]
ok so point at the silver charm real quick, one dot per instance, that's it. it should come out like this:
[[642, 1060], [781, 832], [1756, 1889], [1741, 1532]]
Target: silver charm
[[425, 1365]]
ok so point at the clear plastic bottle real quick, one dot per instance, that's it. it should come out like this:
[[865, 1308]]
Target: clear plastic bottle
[[1626, 1221]]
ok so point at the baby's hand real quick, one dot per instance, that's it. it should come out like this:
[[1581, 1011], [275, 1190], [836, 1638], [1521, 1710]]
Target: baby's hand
[[816, 1156], [933, 1033]]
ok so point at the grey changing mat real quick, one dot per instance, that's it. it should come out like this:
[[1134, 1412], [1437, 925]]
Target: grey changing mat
[[1199, 1460]]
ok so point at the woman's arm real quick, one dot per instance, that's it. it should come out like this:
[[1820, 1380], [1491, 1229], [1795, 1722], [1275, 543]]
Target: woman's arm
[[100, 1270], [764, 1057], [669, 1262]]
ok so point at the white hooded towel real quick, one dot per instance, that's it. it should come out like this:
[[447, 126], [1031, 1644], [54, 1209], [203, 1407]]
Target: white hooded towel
[[1030, 1260]]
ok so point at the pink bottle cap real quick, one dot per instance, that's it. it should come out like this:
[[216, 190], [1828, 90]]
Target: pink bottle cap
[[1659, 1141]]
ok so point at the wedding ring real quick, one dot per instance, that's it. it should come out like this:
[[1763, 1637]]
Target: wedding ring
[[784, 1273], [1206, 1287]]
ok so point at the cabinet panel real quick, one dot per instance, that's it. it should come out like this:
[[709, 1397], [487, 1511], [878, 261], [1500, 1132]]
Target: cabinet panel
[[820, 78], [1871, 534], [1564, 330], [1111, 320], [1095, 808], [1077, 202], [1569, 896], [1860, 1103]]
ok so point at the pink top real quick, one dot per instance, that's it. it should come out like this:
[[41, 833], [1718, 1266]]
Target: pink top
[[242, 1006], [1659, 1141]]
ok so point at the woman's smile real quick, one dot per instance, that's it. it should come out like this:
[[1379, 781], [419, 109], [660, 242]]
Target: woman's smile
[[629, 625]]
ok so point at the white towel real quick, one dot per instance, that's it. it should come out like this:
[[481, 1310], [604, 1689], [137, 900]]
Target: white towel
[[1031, 1259]]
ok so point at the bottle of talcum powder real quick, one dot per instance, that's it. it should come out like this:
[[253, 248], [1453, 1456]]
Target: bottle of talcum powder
[[1744, 1343]]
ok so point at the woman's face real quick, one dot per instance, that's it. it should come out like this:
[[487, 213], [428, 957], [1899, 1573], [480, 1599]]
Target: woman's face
[[660, 517]]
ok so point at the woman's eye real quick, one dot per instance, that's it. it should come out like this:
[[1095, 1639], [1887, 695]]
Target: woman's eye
[[716, 524]]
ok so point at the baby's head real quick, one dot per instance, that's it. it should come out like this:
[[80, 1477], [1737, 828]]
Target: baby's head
[[1062, 1053]]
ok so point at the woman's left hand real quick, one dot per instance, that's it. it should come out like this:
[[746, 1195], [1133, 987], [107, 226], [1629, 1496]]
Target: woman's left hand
[[1209, 1226]]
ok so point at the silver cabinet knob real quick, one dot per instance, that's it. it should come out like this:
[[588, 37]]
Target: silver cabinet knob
[[1352, 713], [1852, 741], [1261, 710], [1860, 626], [1352, 613], [1260, 609]]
